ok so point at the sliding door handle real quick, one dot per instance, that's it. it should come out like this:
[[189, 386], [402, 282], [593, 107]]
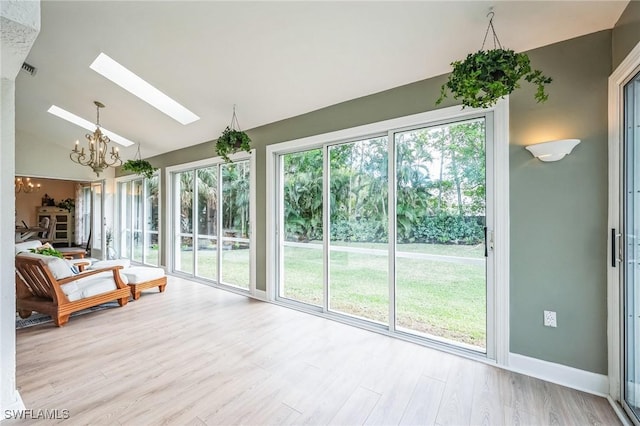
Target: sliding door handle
[[486, 248], [615, 258], [489, 243]]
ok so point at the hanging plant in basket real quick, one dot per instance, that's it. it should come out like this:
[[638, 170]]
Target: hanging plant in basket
[[232, 140], [486, 76], [139, 166]]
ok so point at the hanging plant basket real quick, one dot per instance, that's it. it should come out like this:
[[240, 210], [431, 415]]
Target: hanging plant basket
[[486, 76], [139, 166], [232, 140]]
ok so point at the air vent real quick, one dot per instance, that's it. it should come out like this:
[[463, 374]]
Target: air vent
[[29, 68]]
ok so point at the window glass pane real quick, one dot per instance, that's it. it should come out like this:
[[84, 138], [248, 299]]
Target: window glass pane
[[235, 224], [301, 277], [151, 255], [126, 220], [86, 213], [184, 240], [440, 263], [632, 247], [207, 222], [358, 255], [137, 219], [122, 205]]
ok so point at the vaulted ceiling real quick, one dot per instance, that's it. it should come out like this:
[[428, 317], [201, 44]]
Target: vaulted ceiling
[[274, 60]]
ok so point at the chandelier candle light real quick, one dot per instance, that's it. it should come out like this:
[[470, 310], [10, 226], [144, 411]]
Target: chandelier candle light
[[96, 158], [26, 185]]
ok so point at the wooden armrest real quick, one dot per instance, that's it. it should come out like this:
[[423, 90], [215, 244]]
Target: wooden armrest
[[81, 265]]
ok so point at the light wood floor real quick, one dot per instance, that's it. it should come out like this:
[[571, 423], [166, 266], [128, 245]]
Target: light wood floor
[[197, 355]]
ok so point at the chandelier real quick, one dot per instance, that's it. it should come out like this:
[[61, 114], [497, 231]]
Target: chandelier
[[26, 185], [96, 158]]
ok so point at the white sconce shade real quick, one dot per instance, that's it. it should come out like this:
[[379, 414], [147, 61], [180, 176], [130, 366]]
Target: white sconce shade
[[553, 150]]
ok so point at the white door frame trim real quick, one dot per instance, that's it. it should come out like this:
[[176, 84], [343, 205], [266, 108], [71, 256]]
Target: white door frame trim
[[617, 80], [500, 201]]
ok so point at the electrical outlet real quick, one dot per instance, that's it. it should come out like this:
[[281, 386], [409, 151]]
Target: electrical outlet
[[550, 319]]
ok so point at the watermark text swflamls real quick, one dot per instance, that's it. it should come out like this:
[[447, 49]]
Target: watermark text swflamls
[[36, 414]]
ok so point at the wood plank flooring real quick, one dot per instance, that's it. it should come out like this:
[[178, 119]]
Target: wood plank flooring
[[196, 355]]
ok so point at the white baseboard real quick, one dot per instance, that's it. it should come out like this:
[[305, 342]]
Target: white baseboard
[[260, 295], [16, 406], [586, 381]]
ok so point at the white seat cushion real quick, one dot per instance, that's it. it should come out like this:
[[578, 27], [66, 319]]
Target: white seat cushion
[[59, 268], [90, 286], [140, 274], [26, 245], [125, 263], [100, 264]]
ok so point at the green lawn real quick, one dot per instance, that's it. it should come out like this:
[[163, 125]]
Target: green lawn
[[432, 297], [235, 265]]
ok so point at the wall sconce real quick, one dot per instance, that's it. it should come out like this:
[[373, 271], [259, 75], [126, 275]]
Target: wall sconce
[[553, 150]]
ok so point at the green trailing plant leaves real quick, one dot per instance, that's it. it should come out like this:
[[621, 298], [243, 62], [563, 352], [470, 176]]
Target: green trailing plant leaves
[[231, 141], [47, 251], [140, 167], [488, 75]]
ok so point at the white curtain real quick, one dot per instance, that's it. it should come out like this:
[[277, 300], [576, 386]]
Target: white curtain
[[79, 217]]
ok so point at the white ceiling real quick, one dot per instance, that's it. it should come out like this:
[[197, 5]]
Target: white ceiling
[[273, 59]]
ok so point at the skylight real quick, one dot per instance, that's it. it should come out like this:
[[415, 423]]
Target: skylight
[[79, 121], [129, 81]]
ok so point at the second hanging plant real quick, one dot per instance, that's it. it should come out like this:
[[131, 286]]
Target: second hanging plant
[[139, 166], [232, 139]]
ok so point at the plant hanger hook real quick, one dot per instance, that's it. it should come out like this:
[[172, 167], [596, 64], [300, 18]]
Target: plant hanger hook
[[234, 120], [496, 42]]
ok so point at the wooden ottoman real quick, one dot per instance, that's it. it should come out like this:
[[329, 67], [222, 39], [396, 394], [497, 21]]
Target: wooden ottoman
[[144, 277]]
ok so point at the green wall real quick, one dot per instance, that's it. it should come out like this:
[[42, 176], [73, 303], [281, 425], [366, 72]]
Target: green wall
[[626, 33], [558, 210]]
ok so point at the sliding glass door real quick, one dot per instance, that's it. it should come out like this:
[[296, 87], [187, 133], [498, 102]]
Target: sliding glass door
[[440, 213], [138, 204], [390, 231], [631, 286], [212, 223]]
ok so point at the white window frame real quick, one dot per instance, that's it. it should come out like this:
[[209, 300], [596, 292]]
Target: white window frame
[[500, 204], [172, 213]]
